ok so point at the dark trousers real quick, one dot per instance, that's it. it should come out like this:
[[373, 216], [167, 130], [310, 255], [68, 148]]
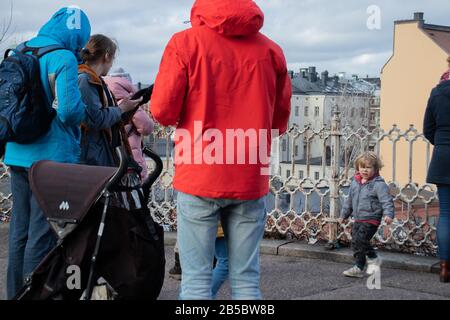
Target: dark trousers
[[362, 233], [30, 236], [443, 229]]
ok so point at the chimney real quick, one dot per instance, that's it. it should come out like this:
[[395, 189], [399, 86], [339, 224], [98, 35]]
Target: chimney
[[312, 74], [336, 80], [303, 72], [324, 78], [418, 16]]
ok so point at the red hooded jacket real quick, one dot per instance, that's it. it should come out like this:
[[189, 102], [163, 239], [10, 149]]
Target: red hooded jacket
[[223, 74]]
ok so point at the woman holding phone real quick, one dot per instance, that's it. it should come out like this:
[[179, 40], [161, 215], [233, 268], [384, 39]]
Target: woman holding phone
[[99, 131]]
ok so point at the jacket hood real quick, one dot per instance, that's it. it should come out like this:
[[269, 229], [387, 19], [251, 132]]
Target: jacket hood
[[120, 72], [121, 87], [228, 17], [69, 27], [444, 88]]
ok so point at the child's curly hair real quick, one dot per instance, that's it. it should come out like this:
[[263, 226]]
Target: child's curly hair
[[370, 158]]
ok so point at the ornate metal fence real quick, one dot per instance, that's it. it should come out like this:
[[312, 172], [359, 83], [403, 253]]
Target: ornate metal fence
[[5, 194], [307, 207], [306, 194]]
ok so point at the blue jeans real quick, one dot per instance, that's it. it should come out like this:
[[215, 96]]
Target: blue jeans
[[443, 229], [30, 236], [220, 272], [243, 223]]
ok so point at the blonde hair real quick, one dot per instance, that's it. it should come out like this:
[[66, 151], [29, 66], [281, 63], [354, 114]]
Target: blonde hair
[[371, 158]]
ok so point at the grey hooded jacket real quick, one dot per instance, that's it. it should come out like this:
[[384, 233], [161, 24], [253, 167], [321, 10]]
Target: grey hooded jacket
[[370, 201]]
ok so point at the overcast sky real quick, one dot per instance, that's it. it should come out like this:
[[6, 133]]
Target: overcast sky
[[331, 35]]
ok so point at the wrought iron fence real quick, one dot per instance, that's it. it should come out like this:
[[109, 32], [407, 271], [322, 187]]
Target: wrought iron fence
[[307, 190], [306, 194]]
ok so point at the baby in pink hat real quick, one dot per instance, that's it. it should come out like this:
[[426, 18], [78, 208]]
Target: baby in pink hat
[[120, 84]]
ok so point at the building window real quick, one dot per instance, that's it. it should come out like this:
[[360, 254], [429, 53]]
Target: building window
[[317, 175], [352, 113], [301, 174], [306, 111], [288, 174], [297, 111], [316, 112], [372, 116], [296, 151], [363, 113], [284, 145]]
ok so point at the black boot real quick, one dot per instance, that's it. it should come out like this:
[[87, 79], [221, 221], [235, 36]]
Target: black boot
[[445, 276], [175, 272]]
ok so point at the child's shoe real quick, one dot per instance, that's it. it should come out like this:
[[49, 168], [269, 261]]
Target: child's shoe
[[354, 272]]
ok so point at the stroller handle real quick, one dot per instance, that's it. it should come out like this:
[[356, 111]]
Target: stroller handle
[[123, 165], [156, 172]]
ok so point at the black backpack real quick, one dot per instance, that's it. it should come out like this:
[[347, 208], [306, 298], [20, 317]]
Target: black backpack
[[24, 113]]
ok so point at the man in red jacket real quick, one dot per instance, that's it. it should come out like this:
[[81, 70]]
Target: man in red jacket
[[226, 88]]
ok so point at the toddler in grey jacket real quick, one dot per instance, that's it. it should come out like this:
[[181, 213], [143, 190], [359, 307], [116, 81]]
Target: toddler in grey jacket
[[368, 202]]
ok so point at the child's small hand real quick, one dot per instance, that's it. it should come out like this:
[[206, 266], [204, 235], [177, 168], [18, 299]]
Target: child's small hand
[[388, 220]]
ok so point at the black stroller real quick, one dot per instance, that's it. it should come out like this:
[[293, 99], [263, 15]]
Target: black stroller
[[107, 237]]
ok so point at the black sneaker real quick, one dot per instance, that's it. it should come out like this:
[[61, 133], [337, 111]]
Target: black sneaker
[[175, 272]]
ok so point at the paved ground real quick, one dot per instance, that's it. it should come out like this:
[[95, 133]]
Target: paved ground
[[294, 278]]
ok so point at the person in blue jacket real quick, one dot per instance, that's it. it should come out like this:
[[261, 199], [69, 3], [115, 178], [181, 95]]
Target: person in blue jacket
[[30, 237]]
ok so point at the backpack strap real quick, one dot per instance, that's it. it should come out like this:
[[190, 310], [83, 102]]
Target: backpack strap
[[38, 52], [45, 50], [7, 52]]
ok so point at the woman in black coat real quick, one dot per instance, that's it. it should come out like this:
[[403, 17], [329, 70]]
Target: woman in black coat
[[436, 129]]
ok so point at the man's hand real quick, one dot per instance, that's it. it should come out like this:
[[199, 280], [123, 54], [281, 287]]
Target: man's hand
[[341, 220]]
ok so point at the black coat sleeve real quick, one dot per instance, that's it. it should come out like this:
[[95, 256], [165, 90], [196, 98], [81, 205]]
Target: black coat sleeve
[[429, 122]]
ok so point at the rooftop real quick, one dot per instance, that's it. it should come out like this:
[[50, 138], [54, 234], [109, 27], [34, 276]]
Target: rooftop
[[439, 34], [307, 82]]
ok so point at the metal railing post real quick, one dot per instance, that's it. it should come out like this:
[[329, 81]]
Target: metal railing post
[[334, 181]]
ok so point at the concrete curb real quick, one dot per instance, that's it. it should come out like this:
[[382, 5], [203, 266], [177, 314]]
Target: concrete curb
[[301, 250]]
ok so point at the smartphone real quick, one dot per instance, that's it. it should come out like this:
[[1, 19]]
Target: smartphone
[[145, 93]]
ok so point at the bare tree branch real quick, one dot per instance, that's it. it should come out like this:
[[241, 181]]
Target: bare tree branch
[[6, 25]]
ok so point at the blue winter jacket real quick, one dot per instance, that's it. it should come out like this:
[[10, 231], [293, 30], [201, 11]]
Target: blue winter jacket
[[71, 29]]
